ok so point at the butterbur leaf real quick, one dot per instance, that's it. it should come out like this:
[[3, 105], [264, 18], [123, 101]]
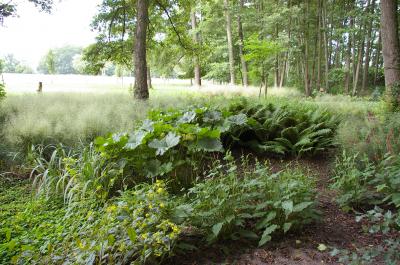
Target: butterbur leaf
[[165, 144], [212, 116], [147, 125], [217, 228], [135, 139], [187, 117], [210, 144]]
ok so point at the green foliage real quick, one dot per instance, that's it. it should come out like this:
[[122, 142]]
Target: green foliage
[[372, 134], [59, 60], [169, 143], [81, 174], [253, 206], [361, 182], [352, 176], [133, 227], [284, 130], [2, 91], [393, 97], [382, 222]]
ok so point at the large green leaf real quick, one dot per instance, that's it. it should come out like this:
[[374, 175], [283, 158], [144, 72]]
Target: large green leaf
[[165, 144], [135, 139]]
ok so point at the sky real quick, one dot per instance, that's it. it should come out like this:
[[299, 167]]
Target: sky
[[30, 35]]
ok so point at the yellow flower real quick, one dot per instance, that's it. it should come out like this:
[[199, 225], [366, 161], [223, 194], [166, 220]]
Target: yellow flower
[[160, 190], [162, 205], [111, 208]]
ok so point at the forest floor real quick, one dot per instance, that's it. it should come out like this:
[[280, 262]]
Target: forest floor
[[336, 229]]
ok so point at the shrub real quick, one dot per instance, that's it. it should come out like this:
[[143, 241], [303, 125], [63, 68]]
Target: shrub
[[255, 205], [283, 129], [2, 91], [361, 182]]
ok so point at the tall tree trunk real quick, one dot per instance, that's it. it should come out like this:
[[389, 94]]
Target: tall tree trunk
[[245, 81], [285, 67], [358, 67], [319, 48], [371, 8], [141, 88], [390, 43], [196, 60], [230, 41], [149, 84], [306, 52], [378, 57], [326, 46]]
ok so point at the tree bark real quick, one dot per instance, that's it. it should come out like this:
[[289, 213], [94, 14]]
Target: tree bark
[[149, 84], [327, 60], [371, 8], [390, 42], [196, 60], [230, 41], [245, 81], [142, 21]]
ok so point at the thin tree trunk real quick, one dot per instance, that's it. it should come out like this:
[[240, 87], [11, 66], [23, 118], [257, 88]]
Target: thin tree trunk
[[245, 81], [149, 84], [359, 63], [141, 88], [230, 41], [390, 43], [326, 47], [378, 57], [371, 8], [306, 65], [196, 61]]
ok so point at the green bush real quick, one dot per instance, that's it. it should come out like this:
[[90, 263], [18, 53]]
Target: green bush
[[256, 205], [362, 182], [2, 91], [284, 129]]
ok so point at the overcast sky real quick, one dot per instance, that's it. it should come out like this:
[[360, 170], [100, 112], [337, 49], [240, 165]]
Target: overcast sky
[[31, 34]]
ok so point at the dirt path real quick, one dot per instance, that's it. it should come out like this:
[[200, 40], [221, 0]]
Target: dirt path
[[335, 229]]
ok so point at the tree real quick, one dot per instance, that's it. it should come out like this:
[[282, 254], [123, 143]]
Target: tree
[[390, 43], [229, 41], [10, 9], [142, 21], [60, 60]]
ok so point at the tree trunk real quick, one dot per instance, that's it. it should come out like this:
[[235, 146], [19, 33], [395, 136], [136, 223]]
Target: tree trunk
[[371, 8], [141, 88], [230, 41], [359, 63], [196, 61], [390, 43], [326, 47], [377, 57], [245, 81], [149, 84]]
